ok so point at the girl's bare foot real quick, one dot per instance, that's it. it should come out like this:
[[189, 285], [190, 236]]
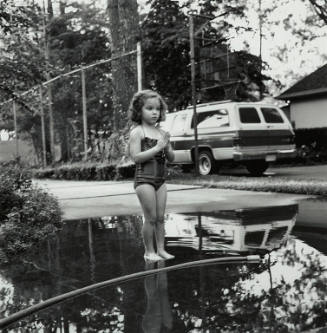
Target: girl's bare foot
[[165, 255], [152, 257]]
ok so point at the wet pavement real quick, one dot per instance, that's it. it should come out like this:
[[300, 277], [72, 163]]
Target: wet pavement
[[284, 292], [82, 199]]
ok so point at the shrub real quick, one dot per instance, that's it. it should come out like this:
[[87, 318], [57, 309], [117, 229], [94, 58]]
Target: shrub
[[38, 217], [125, 171], [105, 172], [95, 171], [43, 173], [28, 215], [84, 171], [13, 180]]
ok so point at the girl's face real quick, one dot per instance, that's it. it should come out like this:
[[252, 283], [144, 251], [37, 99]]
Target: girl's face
[[151, 110]]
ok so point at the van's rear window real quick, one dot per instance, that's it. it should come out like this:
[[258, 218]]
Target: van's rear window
[[249, 115], [272, 115]]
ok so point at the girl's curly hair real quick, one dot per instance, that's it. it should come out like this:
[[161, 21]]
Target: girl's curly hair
[[137, 102]]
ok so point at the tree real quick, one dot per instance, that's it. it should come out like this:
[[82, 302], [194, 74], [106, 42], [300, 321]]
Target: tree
[[320, 7], [21, 63], [12, 16], [77, 37], [124, 32], [165, 40], [166, 52], [292, 38]]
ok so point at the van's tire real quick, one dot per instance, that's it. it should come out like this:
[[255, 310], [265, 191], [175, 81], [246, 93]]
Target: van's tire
[[207, 163], [257, 168]]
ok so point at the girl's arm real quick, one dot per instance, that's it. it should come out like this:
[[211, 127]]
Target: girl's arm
[[168, 149], [169, 152], [137, 155]]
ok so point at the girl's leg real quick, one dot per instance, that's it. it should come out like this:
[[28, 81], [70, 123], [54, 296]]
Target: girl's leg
[[147, 197], [161, 196]]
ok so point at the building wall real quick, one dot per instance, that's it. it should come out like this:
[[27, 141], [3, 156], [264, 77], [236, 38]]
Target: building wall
[[309, 114], [26, 151]]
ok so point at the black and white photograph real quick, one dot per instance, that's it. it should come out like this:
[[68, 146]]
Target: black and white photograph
[[163, 166]]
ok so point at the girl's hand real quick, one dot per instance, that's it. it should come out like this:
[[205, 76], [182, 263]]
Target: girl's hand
[[163, 141]]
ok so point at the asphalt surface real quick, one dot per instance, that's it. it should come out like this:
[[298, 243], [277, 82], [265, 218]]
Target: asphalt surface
[[316, 172], [83, 199]]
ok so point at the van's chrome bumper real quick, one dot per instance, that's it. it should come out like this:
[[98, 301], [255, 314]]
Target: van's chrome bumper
[[269, 156]]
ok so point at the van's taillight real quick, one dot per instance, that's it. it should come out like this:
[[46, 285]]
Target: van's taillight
[[292, 139], [236, 141]]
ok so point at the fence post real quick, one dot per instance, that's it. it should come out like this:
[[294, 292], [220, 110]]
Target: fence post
[[51, 124], [139, 65], [15, 127], [44, 151], [84, 112]]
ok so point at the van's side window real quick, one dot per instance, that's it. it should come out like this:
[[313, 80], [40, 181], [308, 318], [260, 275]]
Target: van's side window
[[272, 115], [249, 115], [215, 118], [178, 125]]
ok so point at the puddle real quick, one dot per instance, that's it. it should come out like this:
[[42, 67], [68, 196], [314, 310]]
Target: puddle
[[284, 293]]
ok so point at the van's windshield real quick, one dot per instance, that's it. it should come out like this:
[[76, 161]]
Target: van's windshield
[[214, 118]]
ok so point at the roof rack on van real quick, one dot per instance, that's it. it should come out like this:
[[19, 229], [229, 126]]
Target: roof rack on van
[[211, 103]]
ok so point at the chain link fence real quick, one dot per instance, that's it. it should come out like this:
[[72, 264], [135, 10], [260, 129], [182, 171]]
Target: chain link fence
[[79, 115]]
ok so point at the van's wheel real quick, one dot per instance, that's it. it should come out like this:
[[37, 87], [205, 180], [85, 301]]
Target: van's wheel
[[257, 168], [207, 163]]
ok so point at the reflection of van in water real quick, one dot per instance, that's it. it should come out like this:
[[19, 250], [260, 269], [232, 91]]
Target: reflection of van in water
[[246, 230], [254, 134]]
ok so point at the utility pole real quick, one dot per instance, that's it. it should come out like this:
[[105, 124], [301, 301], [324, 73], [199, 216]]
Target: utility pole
[[260, 47], [195, 118], [139, 66], [44, 151], [15, 127], [47, 75]]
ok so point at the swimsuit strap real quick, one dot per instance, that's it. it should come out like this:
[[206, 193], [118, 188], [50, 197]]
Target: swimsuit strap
[[143, 131]]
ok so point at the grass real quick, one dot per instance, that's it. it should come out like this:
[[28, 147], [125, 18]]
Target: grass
[[262, 184]]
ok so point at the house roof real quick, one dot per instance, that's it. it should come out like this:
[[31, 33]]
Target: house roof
[[312, 84]]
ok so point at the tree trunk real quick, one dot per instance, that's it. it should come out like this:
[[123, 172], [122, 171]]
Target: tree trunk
[[62, 7], [123, 17], [50, 9]]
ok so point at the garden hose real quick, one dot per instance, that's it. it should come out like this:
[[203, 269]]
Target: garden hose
[[60, 298]]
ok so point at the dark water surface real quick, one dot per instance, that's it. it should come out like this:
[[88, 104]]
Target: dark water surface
[[285, 292]]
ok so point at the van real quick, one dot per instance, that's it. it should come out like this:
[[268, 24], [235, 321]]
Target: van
[[254, 134], [255, 230]]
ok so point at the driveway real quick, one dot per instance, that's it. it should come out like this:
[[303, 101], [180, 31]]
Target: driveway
[[317, 172], [83, 199]]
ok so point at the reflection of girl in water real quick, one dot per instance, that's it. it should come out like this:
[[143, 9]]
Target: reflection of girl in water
[[158, 316]]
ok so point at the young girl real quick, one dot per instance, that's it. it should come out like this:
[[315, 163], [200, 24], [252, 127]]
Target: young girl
[[149, 147]]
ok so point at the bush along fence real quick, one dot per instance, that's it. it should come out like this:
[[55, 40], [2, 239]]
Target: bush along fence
[[28, 215], [87, 171], [95, 171]]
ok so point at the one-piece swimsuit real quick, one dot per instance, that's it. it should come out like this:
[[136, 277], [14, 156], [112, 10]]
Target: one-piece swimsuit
[[152, 171]]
